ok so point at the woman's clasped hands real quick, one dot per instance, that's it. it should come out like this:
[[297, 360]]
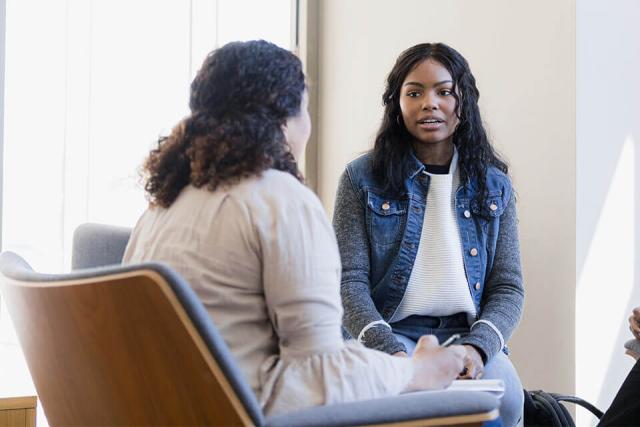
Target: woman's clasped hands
[[634, 323], [442, 362], [634, 327]]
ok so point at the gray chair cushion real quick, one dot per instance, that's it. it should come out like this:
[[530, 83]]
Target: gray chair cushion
[[97, 245], [401, 408]]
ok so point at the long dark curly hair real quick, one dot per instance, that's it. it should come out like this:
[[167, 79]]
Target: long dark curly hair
[[392, 148], [240, 98]]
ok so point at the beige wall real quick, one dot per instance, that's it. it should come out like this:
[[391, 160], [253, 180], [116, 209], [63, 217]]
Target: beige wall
[[523, 57]]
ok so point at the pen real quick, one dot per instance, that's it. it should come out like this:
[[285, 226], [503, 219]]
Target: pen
[[450, 340]]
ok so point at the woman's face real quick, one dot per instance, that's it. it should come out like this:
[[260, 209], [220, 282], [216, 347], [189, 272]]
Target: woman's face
[[298, 128], [427, 103]]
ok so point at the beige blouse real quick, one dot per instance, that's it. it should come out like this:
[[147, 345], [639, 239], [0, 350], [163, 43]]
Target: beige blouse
[[263, 258]]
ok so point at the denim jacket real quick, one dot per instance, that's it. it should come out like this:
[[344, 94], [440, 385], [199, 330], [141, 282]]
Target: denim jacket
[[378, 236]]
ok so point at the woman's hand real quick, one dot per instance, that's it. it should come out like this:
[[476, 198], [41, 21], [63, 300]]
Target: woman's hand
[[473, 365], [633, 354], [634, 323], [434, 366]]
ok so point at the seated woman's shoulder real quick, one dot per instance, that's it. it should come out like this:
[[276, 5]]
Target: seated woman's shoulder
[[362, 164], [498, 178], [275, 180], [274, 186]]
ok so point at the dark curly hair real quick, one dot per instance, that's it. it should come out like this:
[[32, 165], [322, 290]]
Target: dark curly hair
[[240, 98], [392, 148]]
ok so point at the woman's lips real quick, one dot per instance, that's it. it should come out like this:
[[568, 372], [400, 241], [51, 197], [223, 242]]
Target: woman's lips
[[430, 125]]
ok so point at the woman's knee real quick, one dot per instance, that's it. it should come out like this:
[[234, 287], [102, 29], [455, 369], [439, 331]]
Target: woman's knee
[[512, 403], [512, 406]]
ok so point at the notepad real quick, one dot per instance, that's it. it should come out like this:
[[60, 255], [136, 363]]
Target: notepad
[[495, 387]]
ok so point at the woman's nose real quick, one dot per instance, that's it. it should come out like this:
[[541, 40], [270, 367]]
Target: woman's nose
[[429, 103]]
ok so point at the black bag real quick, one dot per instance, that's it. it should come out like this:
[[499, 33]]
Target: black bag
[[542, 409]]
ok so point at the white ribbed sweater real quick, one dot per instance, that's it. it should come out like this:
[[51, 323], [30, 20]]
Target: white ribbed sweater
[[438, 282]]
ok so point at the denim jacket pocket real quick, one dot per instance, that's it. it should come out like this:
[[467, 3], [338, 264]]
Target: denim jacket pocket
[[492, 207], [385, 218], [486, 215]]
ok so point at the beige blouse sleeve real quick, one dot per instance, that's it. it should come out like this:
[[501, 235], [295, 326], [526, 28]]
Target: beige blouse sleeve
[[301, 278]]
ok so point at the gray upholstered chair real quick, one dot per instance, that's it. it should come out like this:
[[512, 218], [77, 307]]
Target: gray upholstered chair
[[98, 245], [133, 345]]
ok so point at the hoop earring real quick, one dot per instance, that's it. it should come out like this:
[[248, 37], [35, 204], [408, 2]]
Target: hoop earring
[[398, 120]]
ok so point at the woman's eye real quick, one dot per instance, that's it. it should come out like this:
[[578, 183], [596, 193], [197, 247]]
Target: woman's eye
[[445, 92], [413, 94]]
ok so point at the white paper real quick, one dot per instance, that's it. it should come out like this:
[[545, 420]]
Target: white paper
[[495, 387]]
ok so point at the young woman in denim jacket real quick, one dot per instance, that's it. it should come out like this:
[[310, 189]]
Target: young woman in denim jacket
[[427, 228]]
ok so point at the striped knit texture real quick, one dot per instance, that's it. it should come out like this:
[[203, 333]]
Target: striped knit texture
[[438, 283]]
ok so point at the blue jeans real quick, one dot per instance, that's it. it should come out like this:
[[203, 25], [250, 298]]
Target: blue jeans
[[409, 330]]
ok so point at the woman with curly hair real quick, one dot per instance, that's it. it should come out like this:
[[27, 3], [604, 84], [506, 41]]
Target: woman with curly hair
[[228, 210], [426, 225]]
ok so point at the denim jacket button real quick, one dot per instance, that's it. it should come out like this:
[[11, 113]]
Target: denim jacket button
[[385, 206], [417, 209], [477, 286], [473, 252], [493, 206], [467, 214]]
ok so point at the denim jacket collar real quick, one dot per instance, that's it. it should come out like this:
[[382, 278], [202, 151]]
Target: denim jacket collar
[[417, 167]]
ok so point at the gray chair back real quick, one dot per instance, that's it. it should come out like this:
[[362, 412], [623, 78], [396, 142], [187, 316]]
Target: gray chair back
[[98, 245]]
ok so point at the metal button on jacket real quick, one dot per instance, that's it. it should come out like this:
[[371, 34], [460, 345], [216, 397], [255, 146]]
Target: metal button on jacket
[[493, 206], [473, 252], [477, 286], [385, 206], [467, 214]]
